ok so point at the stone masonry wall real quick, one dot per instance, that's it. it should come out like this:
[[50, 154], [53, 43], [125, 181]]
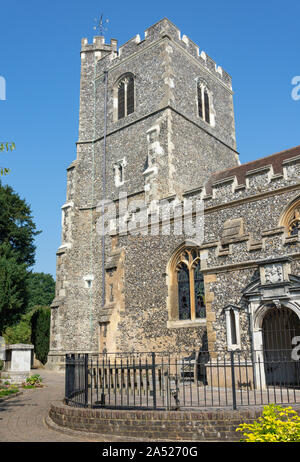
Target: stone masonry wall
[[227, 270], [168, 152]]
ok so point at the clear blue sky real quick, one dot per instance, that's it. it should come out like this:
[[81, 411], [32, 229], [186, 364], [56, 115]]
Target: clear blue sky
[[256, 42]]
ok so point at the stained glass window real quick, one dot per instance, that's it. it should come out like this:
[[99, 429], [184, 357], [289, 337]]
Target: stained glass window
[[200, 311], [191, 294], [294, 227], [184, 293]]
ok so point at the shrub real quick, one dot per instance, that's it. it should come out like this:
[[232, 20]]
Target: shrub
[[277, 424], [33, 381], [40, 332], [19, 333]]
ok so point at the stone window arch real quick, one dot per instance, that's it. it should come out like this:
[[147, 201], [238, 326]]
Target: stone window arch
[[204, 102], [119, 172], [124, 96], [291, 218], [186, 286], [232, 316]]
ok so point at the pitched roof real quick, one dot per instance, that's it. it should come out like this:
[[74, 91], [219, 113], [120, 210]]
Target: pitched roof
[[275, 160]]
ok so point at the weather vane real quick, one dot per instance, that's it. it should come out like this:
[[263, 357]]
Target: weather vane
[[101, 25]]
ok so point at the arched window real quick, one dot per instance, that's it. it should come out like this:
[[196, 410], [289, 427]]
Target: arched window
[[125, 96], [200, 311], [119, 170], [291, 219], [190, 286], [294, 224], [203, 102], [233, 327], [184, 301]]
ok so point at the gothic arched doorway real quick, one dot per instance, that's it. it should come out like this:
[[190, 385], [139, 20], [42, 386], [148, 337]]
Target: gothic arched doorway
[[279, 327]]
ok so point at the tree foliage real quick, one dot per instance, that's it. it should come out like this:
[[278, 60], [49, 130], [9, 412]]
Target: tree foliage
[[13, 287], [277, 424], [6, 147], [41, 289], [40, 332], [17, 253], [16, 225], [19, 333]]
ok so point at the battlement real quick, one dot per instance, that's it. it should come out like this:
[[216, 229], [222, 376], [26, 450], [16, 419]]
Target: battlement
[[262, 175], [165, 28], [99, 45], [161, 29]]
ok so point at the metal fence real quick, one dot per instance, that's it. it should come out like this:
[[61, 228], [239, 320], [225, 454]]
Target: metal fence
[[173, 381]]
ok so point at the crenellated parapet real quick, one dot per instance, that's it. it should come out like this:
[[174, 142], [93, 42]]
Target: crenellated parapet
[[260, 176], [163, 28], [166, 28], [99, 46], [228, 237]]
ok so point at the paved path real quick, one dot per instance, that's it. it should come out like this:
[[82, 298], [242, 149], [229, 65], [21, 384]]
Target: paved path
[[22, 418]]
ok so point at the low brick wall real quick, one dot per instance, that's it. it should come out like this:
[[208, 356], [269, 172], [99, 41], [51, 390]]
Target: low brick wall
[[202, 425]]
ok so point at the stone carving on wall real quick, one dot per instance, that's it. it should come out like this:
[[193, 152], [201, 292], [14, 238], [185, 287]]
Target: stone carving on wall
[[273, 273]]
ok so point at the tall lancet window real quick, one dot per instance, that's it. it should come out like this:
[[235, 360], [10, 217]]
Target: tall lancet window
[[190, 283], [203, 102], [184, 302], [206, 106], [232, 317], [200, 311], [125, 96]]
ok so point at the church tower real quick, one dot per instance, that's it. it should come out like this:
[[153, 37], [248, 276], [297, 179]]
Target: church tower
[[156, 120]]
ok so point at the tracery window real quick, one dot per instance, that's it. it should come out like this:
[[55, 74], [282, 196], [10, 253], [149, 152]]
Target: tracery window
[[191, 295], [294, 224], [125, 96], [203, 102], [291, 219]]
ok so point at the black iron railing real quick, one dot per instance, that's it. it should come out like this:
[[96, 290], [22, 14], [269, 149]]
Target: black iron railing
[[165, 381]]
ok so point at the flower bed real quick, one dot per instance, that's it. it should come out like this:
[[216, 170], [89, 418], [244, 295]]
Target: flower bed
[[7, 389], [34, 381]]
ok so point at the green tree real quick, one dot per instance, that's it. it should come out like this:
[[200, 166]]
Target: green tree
[[17, 253], [40, 332], [16, 225], [19, 333], [41, 289], [13, 287]]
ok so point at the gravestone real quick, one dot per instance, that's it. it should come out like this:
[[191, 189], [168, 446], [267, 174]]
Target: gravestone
[[18, 362]]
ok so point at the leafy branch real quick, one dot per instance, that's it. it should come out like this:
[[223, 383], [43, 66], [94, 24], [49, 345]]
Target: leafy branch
[[6, 147]]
